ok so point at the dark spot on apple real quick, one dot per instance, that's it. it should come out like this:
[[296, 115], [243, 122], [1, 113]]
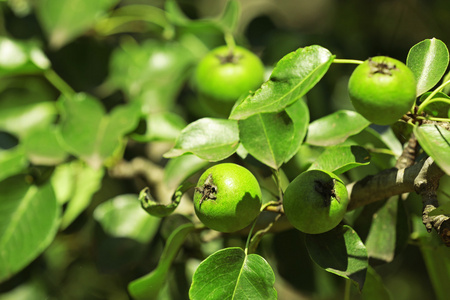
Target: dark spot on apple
[[208, 190], [326, 190]]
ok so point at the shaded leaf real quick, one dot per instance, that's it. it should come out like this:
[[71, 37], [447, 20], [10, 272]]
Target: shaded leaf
[[435, 107], [18, 57], [122, 216], [374, 288], [236, 276], [159, 209], [148, 286], [293, 76], [208, 138], [435, 140], [335, 128], [88, 132], [339, 159], [437, 261], [29, 223], [428, 60], [228, 21], [340, 251], [65, 20], [389, 231]]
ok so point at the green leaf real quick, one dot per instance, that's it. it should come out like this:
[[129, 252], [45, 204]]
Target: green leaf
[[18, 57], [91, 134], [43, 147], [341, 252], [435, 140], [151, 74], [428, 60], [293, 76], [335, 128], [86, 181], [232, 274], [160, 126], [228, 21], [24, 110], [122, 216], [65, 20], [268, 137], [340, 159], [175, 14], [180, 168], [159, 209], [299, 114], [274, 138], [208, 138], [389, 231], [29, 223], [148, 286], [437, 261], [12, 161], [437, 108], [374, 288]]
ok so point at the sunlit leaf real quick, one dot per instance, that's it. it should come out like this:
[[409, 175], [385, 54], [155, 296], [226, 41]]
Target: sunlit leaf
[[340, 251], [435, 140], [12, 161], [65, 20], [208, 138], [181, 168], [268, 137], [18, 57], [339, 159], [150, 73], [428, 60], [122, 216], [236, 276], [160, 126], [25, 109], [29, 223], [293, 76], [43, 147], [335, 128], [87, 181], [91, 134]]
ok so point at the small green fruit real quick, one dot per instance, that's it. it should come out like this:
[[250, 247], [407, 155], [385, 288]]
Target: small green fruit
[[227, 197], [382, 89], [315, 201], [224, 74]]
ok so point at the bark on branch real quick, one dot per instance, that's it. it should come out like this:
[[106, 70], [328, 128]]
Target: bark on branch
[[421, 178]]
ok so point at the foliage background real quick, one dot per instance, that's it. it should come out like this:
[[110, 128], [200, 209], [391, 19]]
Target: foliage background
[[84, 262]]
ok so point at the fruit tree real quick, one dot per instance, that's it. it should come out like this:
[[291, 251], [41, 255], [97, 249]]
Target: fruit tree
[[150, 150]]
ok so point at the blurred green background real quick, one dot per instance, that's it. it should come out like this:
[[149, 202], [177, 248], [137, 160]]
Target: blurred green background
[[84, 262]]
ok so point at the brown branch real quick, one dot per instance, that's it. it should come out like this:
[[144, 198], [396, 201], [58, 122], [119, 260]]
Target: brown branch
[[426, 185], [422, 178]]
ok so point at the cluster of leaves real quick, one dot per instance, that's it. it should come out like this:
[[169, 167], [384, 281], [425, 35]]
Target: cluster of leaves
[[58, 144]]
